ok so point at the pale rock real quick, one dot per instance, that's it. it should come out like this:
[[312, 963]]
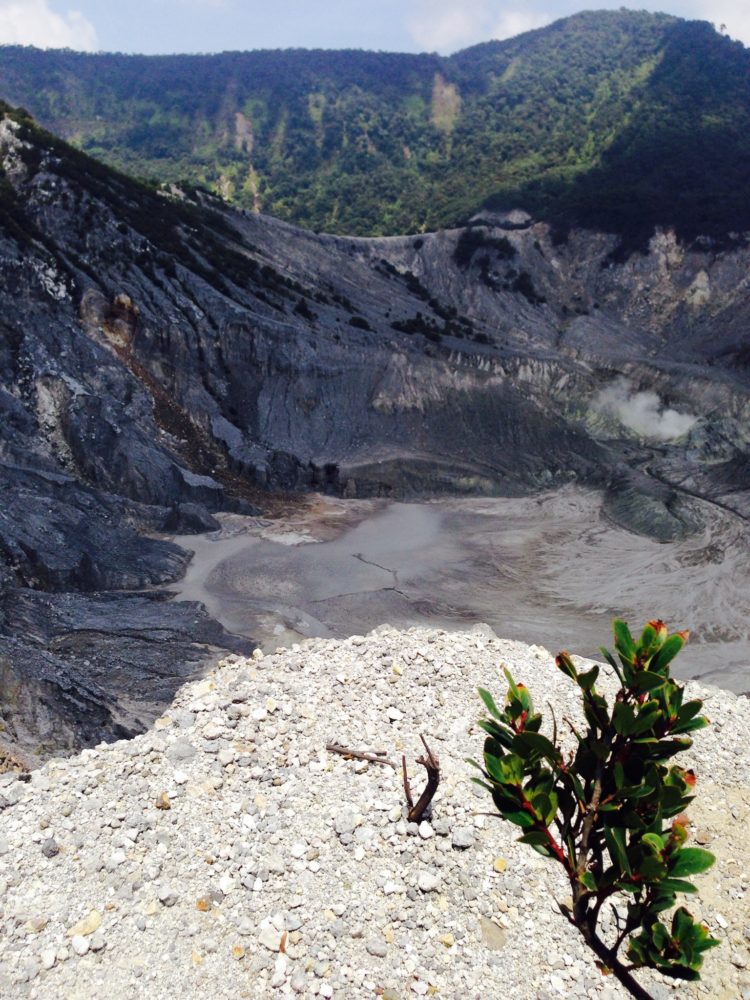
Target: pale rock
[[270, 936], [88, 925], [428, 881], [80, 944], [48, 958], [463, 838]]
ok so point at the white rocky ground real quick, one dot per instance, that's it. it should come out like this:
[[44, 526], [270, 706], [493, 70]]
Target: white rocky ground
[[280, 870]]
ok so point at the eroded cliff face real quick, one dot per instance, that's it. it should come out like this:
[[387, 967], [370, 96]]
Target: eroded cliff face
[[163, 358]]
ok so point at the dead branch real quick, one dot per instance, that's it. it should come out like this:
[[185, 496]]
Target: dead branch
[[407, 788], [431, 764], [378, 757]]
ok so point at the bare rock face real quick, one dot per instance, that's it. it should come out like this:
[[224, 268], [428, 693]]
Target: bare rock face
[[81, 668], [163, 359]]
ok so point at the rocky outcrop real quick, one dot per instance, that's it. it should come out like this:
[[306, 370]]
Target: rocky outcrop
[[228, 839]]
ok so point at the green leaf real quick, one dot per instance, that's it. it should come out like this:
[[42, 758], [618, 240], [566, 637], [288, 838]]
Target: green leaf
[[660, 935], [615, 837], [504, 770], [612, 662], [505, 801], [535, 838], [648, 635], [690, 861], [689, 710], [565, 664], [595, 710], [553, 807], [655, 749], [624, 643], [654, 842], [489, 703], [668, 651], [600, 749], [662, 901], [677, 885], [587, 680], [646, 718], [637, 791], [588, 880], [503, 736], [623, 718], [541, 803], [691, 726], [545, 805], [647, 680], [539, 842], [507, 770], [494, 769], [628, 672], [635, 952], [482, 784], [577, 785], [652, 868], [513, 687], [537, 743], [520, 818], [533, 723], [682, 924]]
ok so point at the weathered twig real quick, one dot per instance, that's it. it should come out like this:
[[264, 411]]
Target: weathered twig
[[432, 765], [407, 787], [378, 757]]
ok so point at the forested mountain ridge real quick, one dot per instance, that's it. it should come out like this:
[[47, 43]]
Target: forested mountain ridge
[[614, 120]]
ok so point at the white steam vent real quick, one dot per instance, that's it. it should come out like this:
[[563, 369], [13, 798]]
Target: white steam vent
[[642, 412]]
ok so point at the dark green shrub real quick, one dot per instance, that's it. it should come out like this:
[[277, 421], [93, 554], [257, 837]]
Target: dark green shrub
[[303, 309], [359, 323], [611, 813], [472, 240], [525, 286]]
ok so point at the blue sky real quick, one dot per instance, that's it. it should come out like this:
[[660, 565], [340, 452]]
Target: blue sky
[[395, 25]]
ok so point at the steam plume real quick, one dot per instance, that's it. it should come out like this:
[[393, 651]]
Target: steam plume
[[642, 412]]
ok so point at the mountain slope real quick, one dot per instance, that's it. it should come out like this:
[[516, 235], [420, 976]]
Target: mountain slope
[[166, 358], [611, 119]]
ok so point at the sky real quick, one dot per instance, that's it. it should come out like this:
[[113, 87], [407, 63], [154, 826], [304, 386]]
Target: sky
[[151, 26]]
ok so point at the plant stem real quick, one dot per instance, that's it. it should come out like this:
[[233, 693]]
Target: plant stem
[[608, 958]]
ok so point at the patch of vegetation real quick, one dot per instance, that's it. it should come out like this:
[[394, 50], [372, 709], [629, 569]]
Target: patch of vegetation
[[611, 812], [359, 323], [303, 309], [618, 120], [474, 239], [523, 283], [424, 325]]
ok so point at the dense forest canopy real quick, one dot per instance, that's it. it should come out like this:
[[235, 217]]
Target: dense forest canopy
[[614, 119]]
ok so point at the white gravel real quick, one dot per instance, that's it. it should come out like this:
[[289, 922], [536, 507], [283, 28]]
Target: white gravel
[[226, 854]]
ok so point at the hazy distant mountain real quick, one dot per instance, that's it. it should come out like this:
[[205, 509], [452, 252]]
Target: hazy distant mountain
[[612, 119]]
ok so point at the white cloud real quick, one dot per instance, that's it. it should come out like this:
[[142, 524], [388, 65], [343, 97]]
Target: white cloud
[[33, 22], [444, 29], [448, 25], [733, 14], [515, 22]]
